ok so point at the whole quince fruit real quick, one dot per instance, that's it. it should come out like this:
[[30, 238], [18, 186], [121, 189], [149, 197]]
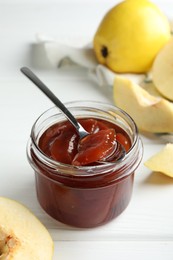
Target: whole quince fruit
[[130, 35]]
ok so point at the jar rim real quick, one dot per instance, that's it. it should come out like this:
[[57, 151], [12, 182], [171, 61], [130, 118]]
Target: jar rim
[[88, 169]]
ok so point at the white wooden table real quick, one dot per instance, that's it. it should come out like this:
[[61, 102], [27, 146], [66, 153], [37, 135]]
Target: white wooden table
[[145, 229]]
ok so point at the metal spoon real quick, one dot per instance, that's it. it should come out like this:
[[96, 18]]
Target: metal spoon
[[81, 131], [119, 149]]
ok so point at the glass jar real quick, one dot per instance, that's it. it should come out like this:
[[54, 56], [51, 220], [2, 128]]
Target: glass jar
[[84, 196]]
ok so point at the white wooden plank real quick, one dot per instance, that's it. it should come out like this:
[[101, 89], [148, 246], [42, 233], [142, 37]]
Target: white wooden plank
[[114, 250]]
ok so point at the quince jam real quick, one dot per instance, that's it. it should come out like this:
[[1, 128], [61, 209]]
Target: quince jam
[[61, 142], [81, 196], [72, 185]]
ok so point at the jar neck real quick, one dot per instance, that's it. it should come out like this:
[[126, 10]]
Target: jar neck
[[123, 167]]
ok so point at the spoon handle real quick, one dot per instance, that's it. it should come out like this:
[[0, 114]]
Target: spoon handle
[[27, 72]]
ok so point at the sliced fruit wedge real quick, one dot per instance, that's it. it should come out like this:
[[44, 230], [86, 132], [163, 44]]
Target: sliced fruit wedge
[[162, 161], [162, 71], [151, 113]]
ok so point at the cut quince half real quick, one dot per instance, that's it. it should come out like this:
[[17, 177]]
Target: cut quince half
[[151, 88], [22, 235], [151, 113], [162, 161], [162, 70]]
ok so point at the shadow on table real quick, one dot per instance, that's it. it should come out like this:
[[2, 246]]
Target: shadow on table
[[157, 178]]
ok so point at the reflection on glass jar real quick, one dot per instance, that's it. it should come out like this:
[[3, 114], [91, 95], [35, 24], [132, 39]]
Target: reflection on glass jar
[[90, 195]]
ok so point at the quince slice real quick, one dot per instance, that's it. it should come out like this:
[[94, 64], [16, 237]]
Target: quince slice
[[22, 236], [162, 70], [162, 161], [151, 113]]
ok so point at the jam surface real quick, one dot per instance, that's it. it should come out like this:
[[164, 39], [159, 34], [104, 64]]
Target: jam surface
[[61, 142]]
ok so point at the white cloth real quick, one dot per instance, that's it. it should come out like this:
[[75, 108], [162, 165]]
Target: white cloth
[[60, 55]]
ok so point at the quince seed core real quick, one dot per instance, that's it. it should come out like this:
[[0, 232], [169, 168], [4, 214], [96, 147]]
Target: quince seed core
[[8, 243]]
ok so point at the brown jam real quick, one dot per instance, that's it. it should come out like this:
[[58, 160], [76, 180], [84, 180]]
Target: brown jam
[[61, 142], [71, 185]]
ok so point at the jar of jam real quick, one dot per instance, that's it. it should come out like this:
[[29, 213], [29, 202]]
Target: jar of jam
[[80, 194]]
